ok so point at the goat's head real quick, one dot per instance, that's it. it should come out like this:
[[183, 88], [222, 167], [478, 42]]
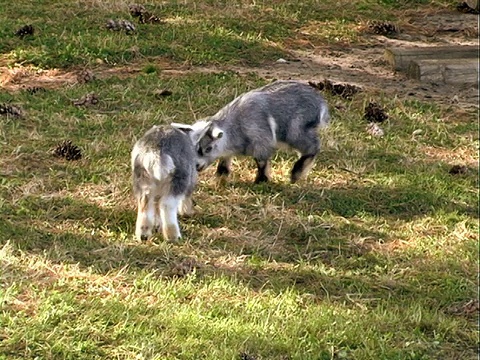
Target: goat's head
[[207, 138]]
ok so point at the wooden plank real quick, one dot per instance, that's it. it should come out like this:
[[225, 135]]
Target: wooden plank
[[448, 71], [400, 58]]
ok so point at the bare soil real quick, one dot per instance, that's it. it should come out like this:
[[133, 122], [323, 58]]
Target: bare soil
[[361, 65]]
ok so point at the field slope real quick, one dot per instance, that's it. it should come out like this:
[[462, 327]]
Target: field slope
[[373, 256]]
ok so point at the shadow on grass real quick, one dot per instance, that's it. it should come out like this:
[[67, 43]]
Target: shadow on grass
[[72, 231], [67, 230], [405, 202]]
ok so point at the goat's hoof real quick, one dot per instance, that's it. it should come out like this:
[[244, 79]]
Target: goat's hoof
[[188, 213], [171, 233], [296, 176], [261, 179]]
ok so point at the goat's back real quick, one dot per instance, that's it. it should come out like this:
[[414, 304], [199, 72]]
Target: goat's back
[[288, 108], [164, 158]]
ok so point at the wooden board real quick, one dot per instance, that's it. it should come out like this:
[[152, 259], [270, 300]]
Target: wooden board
[[400, 58], [447, 71]]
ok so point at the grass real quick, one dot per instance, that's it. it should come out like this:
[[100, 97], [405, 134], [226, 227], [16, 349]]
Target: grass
[[74, 33], [373, 256]]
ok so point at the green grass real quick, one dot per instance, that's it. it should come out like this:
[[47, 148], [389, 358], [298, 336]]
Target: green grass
[[373, 256], [74, 33]]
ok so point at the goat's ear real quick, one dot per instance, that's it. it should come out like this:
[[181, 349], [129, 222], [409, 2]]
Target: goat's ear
[[217, 133], [201, 128], [184, 127]]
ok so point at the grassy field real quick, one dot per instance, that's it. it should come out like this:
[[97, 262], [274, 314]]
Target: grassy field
[[373, 256]]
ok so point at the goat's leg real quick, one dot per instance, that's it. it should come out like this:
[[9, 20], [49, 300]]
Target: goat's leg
[[157, 223], [186, 206], [302, 167], [223, 168], [145, 217], [263, 171], [169, 206], [309, 148]]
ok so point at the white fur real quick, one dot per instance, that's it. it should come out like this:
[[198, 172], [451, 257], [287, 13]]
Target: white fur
[[273, 128], [147, 217], [169, 206], [217, 133], [153, 169], [195, 131], [324, 117]]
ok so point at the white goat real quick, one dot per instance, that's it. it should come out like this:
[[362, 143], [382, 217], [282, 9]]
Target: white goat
[[164, 178]]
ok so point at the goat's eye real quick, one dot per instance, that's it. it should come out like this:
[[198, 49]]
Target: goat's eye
[[208, 149]]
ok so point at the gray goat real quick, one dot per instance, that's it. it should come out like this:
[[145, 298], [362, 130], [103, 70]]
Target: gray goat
[[259, 121], [164, 177]]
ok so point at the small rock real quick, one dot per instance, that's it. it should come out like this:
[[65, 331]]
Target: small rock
[[375, 130], [281, 61], [417, 132]]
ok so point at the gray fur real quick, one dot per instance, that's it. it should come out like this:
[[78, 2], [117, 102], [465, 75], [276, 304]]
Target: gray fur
[[257, 122], [164, 178]]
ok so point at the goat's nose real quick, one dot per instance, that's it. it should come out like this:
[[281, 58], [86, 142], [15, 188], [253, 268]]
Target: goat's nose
[[143, 237]]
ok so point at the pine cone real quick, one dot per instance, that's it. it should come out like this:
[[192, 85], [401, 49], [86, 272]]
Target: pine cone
[[467, 9], [136, 10], [245, 356], [127, 26], [24, 31], [89, 99], [344, 90], [148, 18], [34, 89], [162, 93], [68, 151], [85, 76], [10, 110], [458, 170], [383, 28], [375, 113], [118, 25]]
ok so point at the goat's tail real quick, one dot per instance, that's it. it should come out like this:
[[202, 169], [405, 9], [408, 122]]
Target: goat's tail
[[157, 166], [324, 114]]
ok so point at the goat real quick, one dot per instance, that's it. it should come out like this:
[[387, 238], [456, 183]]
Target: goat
[[259, 121], [164, 178]]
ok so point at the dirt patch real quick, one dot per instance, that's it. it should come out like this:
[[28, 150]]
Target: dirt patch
[[360, 65], [365, 65]]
